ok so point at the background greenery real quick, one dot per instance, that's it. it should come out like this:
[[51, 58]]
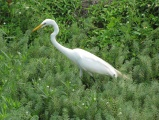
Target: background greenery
[[38, 83]]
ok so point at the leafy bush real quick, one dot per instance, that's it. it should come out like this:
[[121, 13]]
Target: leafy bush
[[37, 82]]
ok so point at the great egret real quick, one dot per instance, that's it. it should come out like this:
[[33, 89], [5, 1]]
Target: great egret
[[85, 60]]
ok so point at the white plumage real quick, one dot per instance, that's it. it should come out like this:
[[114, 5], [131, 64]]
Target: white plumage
[[85, 60]]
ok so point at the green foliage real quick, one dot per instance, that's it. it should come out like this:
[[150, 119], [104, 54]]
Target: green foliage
[[38, 82]]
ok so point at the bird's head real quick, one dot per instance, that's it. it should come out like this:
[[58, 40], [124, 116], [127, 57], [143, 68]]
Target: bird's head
[[44, 23]]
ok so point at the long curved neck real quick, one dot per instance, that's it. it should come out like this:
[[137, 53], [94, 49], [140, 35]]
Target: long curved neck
[[66, 51]]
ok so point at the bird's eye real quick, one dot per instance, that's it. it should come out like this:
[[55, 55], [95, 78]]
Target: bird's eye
[[44, 23]]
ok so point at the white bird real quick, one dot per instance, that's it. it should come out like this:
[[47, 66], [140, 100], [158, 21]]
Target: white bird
[[85, 60]]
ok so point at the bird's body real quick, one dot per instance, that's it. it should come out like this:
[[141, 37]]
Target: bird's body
[[85, 60], [93, 64]]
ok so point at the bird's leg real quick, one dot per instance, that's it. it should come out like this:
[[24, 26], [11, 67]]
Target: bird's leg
[[84, 80], [81, 73], [93, 78]]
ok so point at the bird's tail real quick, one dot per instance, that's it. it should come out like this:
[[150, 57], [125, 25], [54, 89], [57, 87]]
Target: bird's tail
[[122, 75]]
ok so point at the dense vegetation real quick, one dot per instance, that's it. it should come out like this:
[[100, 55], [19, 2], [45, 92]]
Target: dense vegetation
[[38, 83]]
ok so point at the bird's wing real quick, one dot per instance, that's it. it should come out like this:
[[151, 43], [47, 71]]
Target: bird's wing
[[91, 63]]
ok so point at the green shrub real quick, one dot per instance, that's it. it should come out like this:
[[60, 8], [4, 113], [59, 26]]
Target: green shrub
[[38, 82]]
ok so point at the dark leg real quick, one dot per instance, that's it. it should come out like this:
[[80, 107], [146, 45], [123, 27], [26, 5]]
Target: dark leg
[[87, 81], [93, 79]]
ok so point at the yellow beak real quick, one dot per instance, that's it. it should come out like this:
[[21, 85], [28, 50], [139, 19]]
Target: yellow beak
[[38, 27]]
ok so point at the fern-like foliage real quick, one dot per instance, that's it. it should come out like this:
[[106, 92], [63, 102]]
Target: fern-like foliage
[[37, 82]]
